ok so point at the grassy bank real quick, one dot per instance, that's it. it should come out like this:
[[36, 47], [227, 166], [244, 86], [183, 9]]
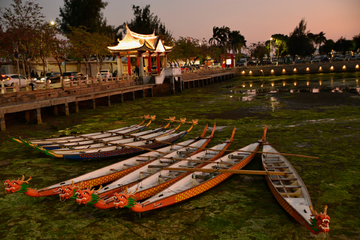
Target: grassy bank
[[324, 125]]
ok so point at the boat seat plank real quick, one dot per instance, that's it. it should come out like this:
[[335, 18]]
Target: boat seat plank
[[170, 177], [157, 166], [186, 166], [287, 186], [283, 179], [129, 165], [266, 161], [145, 172]]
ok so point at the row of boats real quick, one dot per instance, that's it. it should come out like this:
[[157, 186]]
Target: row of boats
[[166, 175]]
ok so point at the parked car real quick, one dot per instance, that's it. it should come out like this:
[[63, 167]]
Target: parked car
[[71, 76], [53, 77], [11, 78], [104, 74], [353, 58]]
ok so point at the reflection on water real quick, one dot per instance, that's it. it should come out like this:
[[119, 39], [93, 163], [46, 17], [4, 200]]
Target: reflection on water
[[274, 103]]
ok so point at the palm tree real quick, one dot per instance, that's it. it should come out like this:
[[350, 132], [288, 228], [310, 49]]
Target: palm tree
[[320, 39], [236, 41]]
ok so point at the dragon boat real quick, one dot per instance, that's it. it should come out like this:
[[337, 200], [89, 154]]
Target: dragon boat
[[104, 144], [75, 139], [192, 184], [66, 189], [291, 193], [121, 149], [154, 178]]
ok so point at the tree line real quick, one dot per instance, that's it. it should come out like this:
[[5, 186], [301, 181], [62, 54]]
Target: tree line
[[81, 33]]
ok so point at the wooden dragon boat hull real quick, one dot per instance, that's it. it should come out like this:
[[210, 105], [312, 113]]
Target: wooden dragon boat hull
[[290, 191], [76, 138], [190, 186], [104, 175], [159, 180], [107, 137], [105, 145], [129, 148]]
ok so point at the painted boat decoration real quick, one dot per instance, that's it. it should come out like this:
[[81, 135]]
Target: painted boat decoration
[[157, 179], [194, 184], [291, 192], [65, 189], [78, 138]]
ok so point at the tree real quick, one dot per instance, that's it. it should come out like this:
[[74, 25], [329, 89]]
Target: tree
[[220, 37], [23, 21], [258, 50], [145, 22], [280, 44], [236, 41], [77, 13], [299, 42], [356, 40], [320, 39], [343, 45], [327, 47]]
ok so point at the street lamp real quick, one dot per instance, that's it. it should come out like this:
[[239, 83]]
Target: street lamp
[[52, 23]]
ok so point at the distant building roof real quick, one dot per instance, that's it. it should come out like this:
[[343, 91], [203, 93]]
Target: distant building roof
[[134, 42]]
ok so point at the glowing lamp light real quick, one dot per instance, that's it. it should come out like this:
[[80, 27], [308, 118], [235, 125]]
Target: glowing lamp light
[[344, 67], [332, 68], [250, 84], [295, 83], [243, 72], [262, 85], [283, 70], [320, 82], [295, 70], [357, 66], [307, 83], [307, 69], [250, 72], [357, 81], [272, 84], [261, 71], [284, 83], [52, 23], [320, 68], [272, 71], [243, 85]]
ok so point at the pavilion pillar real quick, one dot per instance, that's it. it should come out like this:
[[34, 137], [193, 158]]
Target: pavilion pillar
[[129, 64], [158, 62], [119, 65], [141, 65], [149, 63], [165, 59]]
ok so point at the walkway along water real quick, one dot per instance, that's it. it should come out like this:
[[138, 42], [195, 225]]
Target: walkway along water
[[67, 98]]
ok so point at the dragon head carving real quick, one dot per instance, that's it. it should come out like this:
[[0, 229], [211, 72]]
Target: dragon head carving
[[19, 185], [124, 199], [320, 221], [88, 195], [66, 192]]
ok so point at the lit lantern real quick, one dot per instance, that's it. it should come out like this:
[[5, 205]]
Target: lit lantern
[[320, 68], [272, 84], [332, 68], [344, 67], [250, 72], [307, 69], [272, 71], [295, 70], [320, 82], [295, 83], [284, 83], [250, 84], [307, 83], [243, 72], [284, 70], [357, 66]]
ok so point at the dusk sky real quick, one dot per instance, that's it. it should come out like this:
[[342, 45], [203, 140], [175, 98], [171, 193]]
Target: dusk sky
[[256, 20]]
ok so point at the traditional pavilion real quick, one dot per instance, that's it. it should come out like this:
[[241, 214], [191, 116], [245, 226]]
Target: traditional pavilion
[[140, 46]]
